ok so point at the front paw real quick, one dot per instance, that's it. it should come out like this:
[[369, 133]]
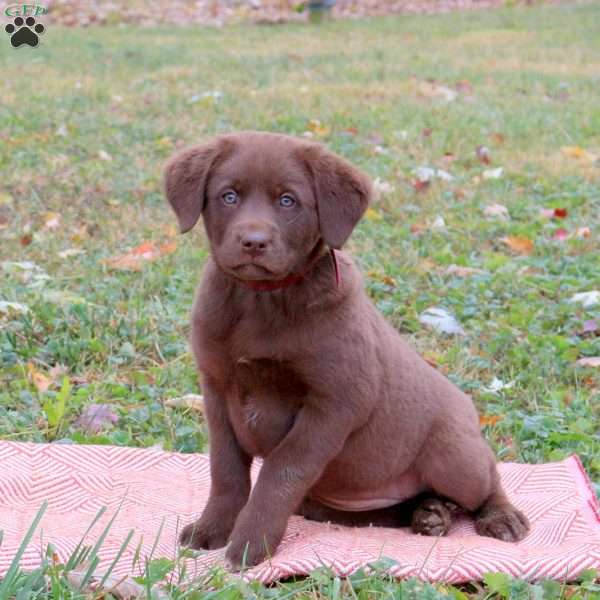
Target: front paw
[[205, 533], [252, 541]]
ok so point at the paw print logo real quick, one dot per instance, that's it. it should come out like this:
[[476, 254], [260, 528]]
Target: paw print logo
[[24, 31]]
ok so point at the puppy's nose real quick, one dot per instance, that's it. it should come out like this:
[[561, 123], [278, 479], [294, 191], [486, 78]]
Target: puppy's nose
[[255, 242]]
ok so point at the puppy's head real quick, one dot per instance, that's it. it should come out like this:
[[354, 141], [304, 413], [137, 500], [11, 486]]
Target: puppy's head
[[267, 200]]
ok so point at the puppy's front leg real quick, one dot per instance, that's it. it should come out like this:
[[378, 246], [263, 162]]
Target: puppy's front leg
[[230, 477], [287, 474]]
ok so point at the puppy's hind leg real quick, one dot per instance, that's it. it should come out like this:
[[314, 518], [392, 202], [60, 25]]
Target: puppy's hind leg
[[498, 518], [467, 474]]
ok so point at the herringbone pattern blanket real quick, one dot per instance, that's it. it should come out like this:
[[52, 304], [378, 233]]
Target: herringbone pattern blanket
[[151, 486]]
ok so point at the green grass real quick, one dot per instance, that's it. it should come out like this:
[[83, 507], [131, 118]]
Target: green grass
[[528, 81]]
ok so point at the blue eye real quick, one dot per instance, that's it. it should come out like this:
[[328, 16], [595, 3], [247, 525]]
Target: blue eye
[[230, 197], [287, 201]]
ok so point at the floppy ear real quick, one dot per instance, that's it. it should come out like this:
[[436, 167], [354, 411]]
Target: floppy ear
[[343, 194], [186, 176]]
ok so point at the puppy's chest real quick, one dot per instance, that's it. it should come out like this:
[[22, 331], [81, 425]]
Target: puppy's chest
[[263, 400]]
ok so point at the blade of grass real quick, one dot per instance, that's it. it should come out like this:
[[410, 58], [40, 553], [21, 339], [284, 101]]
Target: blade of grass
[[73, 559], [116, 559], [13, 570]]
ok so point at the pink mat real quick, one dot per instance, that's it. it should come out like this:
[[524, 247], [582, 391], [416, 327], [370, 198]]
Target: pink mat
[[153, 485]]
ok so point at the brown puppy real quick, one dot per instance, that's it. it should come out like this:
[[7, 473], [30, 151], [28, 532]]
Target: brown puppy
[[301, 369]]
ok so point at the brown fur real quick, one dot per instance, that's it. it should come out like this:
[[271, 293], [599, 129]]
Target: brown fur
[[310, 376]]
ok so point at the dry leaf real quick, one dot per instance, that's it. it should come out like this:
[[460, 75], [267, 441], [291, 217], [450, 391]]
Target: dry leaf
[[483, 154], [8, 307], [421, 186], [489, 420], [560, 235], [518, 244], [68, 252], [39, 380], [438, 224], [193, 401], [51, 220], [135, 259], [589, 361], [441, 320], [431, 89], [96, 417], [496, 210], [587, 299], [579, 153], [583, 232], [315, 127], [372, 215], [493, 173], [424, 173], [381, 188], [461, 271]]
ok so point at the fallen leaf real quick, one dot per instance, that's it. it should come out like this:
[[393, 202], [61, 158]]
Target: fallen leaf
[[493, 173], [497, 385], [496, 210], [579, 153], [490, 420], [382, 188], [122, 588], [135, 259], [583, 232], [52, 221], [518, 244], [590, 326], [461, 271], [96, 417], [418, 228], [497, 138], [427, 132], [589, 361], [193, 401], [438, 224], [68, 252], [26, 239], [587, 299], [7, 307], [425, 174], [421, 186], [372, 215], [483, 154], [40, 381], [318, 129], [430, 89], [441, 320]]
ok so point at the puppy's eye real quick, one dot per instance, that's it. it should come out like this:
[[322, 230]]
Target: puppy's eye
[[230, 197], [287, 201]]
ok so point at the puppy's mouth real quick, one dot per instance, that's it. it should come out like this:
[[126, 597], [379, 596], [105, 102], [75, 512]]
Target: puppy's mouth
[[252, 272]]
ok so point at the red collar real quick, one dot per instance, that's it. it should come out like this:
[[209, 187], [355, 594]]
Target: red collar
[[268, 285]]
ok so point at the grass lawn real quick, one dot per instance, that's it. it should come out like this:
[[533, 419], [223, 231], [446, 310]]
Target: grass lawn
[[88, 119]]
